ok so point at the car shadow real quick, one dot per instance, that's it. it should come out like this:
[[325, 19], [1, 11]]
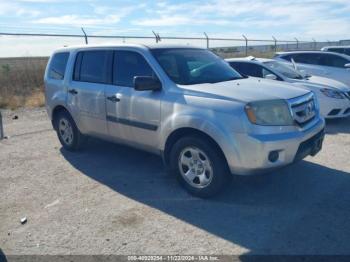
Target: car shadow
[[301, 209], [338, 126]]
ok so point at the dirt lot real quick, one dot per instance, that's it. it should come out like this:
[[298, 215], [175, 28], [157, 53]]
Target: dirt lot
[[110, 199]]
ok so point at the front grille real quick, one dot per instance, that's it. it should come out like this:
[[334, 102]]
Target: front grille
[[303, 109]]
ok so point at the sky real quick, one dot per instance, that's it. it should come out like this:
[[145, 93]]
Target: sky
[[283, 19]]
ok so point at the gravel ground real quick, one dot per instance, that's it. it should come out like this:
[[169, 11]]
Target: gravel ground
[[110, 199]]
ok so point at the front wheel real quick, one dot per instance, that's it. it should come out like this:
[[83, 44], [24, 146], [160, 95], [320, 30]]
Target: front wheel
[[67, 132], [199, 166]]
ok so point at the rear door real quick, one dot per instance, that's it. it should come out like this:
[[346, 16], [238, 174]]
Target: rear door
[[132, 116], [86, 97]]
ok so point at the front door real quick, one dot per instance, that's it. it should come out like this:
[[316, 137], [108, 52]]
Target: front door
[[133, 116]]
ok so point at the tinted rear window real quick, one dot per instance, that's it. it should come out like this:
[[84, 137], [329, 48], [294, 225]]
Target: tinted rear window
[[94, 66], [337, 50], [312, 58], [248, 69], [58, 66]]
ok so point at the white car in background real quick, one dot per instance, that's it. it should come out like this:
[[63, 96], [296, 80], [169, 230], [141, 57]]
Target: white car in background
[[337, 49], [333, 96], [320, 63]]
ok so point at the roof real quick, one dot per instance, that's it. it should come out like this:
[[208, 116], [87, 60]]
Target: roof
[[249, 58], [165, 46], [334, 46], [312, 52], [138, 46]]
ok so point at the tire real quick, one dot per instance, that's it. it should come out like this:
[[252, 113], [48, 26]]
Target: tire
[[70, 138], [199, 166]]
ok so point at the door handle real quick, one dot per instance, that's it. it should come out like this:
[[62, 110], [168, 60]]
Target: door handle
[[113, 99], [73, 91]]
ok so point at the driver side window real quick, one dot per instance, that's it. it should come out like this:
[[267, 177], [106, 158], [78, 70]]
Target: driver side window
[[127, 65]]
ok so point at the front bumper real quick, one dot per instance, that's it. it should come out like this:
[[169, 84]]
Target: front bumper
[[254, 150], [334, 108]]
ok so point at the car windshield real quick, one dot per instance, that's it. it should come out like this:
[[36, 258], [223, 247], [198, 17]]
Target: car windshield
[[190, 66], [284, 69]]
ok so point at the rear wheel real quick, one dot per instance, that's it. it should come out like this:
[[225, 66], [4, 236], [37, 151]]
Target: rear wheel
[[67, 132], [199, 166]]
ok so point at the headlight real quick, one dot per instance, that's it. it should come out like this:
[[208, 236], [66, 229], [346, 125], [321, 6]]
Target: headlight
[[332, 93], [269, 113]]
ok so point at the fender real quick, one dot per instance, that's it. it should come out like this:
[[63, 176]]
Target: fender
[[220, 134]]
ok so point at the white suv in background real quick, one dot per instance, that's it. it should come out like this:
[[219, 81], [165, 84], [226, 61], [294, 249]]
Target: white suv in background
[[320, 63], [333, 96], [337, 49]]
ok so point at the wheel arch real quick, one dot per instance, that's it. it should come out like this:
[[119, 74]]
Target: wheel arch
[[183, 132], [57, 109]]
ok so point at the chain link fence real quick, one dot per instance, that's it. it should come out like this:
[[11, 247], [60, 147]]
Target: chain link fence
[[23, 56], [37, 44]]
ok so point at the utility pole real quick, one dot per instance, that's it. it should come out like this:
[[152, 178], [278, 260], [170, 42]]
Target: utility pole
[[2, 135]]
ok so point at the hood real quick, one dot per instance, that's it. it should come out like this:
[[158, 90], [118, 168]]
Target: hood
[[327, 82], [246, 90]]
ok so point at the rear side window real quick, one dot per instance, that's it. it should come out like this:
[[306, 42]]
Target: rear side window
[[127, 65], [302, 58], [94, 66], [333, 60], [58, 66], [337, 50], [312, 59], [248, 69], [285, 57]]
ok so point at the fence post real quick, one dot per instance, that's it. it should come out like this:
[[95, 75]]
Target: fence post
[[207, 38], [156, 36], [246, 45], [275, 40], [2, 135], [296, 39], [85, 36], [315, 43]]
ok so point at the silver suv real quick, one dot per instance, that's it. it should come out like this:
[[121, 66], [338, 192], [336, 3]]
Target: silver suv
[[185, 104]]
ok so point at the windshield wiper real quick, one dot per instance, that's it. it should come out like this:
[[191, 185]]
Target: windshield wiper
[[232, 78]]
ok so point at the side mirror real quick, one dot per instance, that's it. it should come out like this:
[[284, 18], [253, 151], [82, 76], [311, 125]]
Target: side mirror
[[305, 74], [146, 83], [270, 76], [347, 65]]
